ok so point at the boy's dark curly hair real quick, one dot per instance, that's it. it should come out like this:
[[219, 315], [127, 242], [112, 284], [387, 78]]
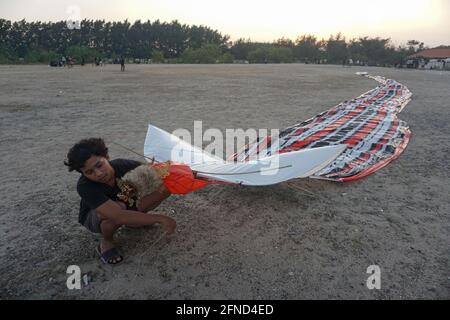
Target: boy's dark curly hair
[[83, 150]]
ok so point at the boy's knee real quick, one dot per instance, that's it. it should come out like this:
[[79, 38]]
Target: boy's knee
[[108, 225], [121, 204]]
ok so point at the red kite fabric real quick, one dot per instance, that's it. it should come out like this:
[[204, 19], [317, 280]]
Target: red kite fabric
[[179, 178]]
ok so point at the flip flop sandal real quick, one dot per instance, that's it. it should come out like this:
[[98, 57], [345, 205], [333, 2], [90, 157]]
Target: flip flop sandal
[[108, 255]]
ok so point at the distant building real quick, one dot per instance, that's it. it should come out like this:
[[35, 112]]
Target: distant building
[[430, 59]]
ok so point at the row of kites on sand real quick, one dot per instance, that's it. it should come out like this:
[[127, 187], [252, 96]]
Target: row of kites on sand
[[348, 142]]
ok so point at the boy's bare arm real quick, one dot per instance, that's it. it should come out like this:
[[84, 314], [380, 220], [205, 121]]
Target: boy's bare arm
[[153, 200], [111, 210]]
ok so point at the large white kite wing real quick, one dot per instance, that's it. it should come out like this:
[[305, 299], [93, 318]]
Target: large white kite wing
[[164, 146]]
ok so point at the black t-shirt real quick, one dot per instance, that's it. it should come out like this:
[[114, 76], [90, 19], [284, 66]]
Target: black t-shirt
[[94, 194]]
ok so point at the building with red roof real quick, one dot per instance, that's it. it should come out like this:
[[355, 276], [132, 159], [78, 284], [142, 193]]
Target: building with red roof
[[431, 59], [436, 53]]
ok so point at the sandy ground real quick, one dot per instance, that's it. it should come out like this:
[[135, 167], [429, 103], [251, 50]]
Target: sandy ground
[[232, 242]]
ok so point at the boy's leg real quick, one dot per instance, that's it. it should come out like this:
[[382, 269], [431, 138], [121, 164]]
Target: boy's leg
[[108, 228]]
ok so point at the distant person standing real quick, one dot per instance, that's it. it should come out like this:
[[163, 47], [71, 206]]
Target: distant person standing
[[122, 64], [70, 62]]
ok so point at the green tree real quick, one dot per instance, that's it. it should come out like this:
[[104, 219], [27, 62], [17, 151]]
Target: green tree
[[270, 55], [242, 47], [337, 49], [209, 53], [307, 49], [415, 46], [41, 56], [375, 49], [226, 58], [157, 56], [284, 42], [82, 53]]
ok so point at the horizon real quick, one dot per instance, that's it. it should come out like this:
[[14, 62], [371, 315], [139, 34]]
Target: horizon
[[426, 21]]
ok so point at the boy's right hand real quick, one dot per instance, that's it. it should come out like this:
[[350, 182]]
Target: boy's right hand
[[168, 224]]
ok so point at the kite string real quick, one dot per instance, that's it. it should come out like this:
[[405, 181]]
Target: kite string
[[109, 284], [137, 153], [139, 266], [308, 192]]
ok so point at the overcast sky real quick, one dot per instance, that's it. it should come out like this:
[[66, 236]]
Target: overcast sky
[[260, 20]]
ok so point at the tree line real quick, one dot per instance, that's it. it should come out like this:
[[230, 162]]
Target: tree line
[[37, 41], [336, 50], [41, 42]]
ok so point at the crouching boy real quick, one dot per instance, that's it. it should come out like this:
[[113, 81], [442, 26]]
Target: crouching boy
[[106, 201]]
